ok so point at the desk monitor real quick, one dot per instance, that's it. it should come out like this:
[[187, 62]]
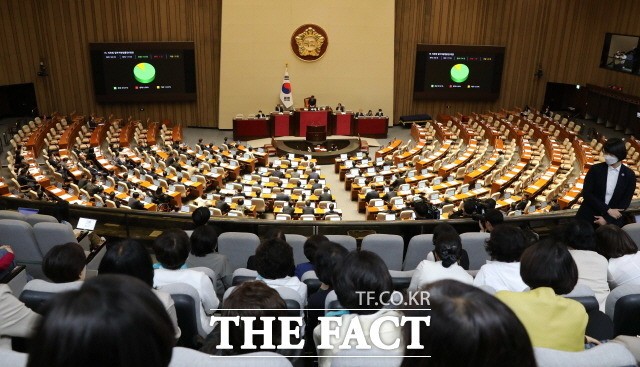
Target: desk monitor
[[303, 182], [437, 181], [371, 170], [229, 186], [379, 178], [422, 184], [86, 224], [277, 162], [266, 190], [532, 209], [343, 156], [449, 178], [291, 156], [231, 214], [478, 185], [334, 218], [355, 171], [464, 190], [425, 171], [287, 191], [507, 195], [27, 211], [148, 199], [99, 204], [379, 159], [260, 150], [434, 196], [155, 182], [308, 218], [172, 188], [390, 217], [264, 179], [284, 181], [184, 209], [400, 165], [209, 196], [306, 192], [365, 161], [263, 170], [247, 177], [228, 200], [359, 154], [517, 212], [348, 164]]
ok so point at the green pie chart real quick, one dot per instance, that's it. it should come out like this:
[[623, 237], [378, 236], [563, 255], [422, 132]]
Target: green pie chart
[[459, 73], [144, 72]]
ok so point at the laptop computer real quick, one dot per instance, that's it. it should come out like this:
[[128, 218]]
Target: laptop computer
[[27, 211], [86, 224]]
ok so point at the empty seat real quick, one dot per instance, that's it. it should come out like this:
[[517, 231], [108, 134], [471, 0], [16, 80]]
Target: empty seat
[[388, 246], [419, 247], [49, 235], [297, 243], [238, 246], [623, 307], [604, 355], [188, 311], [34, 219], [474, 244], [19, 235]]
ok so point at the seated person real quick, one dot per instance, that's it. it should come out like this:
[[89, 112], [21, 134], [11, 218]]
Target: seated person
[[240, 206], [130, 257], [579, 237], [16, 319], [279, 108], [360, 271], [448, 250], [251, 299], [370, 113], [468, 328], [172, 249], [112, 320], [468, 208], [260, 114], [379, 113], [552, 321], [289, 209], [310, 246], [327, 258], [204, 253], [308, 209], [65, 263], [359, 113], [275, 266], [159, 197], [326, 195], [330, 211], [93, 187], [491, 219], [312, 102], [505, 246], [440, 230], [339, 107], [624, 259], [134, 201]]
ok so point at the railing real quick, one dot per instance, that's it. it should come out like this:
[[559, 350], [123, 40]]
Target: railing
[[141, 224]]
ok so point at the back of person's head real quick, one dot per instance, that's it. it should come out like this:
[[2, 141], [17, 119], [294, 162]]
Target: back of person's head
[[548, 263], [135, 195], [200, 216], [65, 263], [494, 216], [468, 327], [255, 299], [172, 248], [312, 244], [506, 243], [327, 258], [274, 233], [204, 240], [490, 203], [442, 228], [615, 147], [612, 242], [448, 248], [111, 321], [274, 259], [469, 206], [578, 234], [128, 257], [362, 271]]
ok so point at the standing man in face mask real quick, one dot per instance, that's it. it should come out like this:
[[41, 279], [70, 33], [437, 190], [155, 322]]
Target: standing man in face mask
[[608, 187]]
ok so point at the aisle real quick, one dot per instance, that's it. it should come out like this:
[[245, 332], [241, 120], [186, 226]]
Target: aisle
[[342, 196]]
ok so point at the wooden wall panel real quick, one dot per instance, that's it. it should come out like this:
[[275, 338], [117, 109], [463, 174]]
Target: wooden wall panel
[[66, 27], [564, 36]]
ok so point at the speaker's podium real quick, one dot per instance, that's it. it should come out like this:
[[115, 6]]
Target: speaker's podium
[[316, 134]]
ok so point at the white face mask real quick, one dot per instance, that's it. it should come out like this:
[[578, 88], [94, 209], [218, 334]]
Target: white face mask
[[610, 159]]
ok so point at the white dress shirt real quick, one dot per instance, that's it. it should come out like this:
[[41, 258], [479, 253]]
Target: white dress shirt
[[431, 271], [612, 180], [624, 270], [500, 276]]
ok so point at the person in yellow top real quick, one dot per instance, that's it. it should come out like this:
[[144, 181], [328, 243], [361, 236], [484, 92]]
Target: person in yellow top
[[552, 321]]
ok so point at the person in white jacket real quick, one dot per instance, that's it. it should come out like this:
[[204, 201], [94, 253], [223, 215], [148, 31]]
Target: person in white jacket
[[172, 249]]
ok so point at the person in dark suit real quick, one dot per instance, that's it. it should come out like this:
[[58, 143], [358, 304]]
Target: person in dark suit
[[54, 160], [260, 114], [93, 187], [608, 187], [312, 102], [314, 175], [326, 195], [125, 181], [278, 173], [223, 206], [314, 184], [340, 107], [330, 211], [290, 209], [279, 108], [83, 181], [134, 202], [26, 179], [373, 194], [282, 196], [307, 208], [397, 182], [359, 113], [370, 113], [379, 113]]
